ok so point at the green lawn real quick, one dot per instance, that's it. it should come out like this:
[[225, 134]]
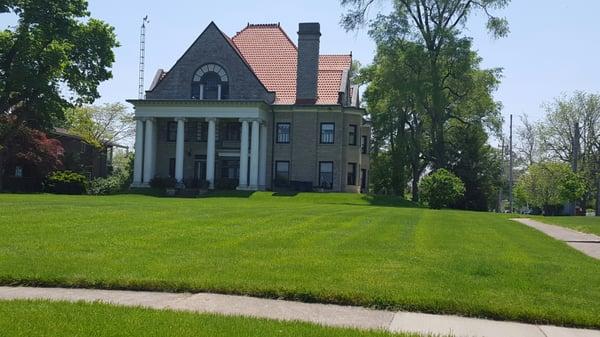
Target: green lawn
[[313, 247], [60, 319], [585, 224]]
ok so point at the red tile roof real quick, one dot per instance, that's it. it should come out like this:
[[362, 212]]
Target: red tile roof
[[273, 57]]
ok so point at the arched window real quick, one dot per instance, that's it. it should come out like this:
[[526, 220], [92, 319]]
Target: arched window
[[210, 82]]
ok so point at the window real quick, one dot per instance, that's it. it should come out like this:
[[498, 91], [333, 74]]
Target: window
[[352, 135], [327, 133], [201, 131], [19, 171], [171, 131], [282, 173], [83, 147], [171, 167], [351, 180], [364, 144], [326, 174], [210, 82], [232, 132], [283, 133]]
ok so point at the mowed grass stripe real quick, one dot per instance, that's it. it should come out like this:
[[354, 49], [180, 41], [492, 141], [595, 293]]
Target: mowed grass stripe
[[60, 319], [336, 248]]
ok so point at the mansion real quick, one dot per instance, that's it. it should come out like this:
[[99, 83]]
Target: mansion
[[254, 112]]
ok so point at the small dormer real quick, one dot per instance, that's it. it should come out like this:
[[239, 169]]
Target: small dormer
[[210, 82]]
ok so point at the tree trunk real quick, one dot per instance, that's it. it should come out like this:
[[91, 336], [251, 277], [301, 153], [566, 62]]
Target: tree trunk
[[598, 199], [437, 119], [415, 181]]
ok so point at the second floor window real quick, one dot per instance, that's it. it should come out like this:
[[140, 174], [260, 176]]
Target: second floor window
[[210, 82], [352, 135], [327, 133], [283, 133]]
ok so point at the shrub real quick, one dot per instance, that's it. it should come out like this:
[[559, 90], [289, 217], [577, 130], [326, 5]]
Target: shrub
[[163, 182], [66, 182], [226, 184], [441, 188], [118, 181], [104, 186]]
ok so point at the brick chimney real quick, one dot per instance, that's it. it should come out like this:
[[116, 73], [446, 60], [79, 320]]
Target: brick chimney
[[309, 35]]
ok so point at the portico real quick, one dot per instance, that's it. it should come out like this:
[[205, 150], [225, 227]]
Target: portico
[[249, 145]]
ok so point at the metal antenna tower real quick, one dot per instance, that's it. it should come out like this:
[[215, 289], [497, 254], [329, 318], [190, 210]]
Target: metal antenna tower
[[142, 56]]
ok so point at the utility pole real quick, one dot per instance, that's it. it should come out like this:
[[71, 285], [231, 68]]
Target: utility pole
[[142, 57], [500, 193], [575, 164], [510, 172]]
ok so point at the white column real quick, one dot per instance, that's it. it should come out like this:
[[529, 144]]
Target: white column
[[210, 152], [244, 156], [149, 150], [254, 154], [139, 153], [179, 147], [262, 158]]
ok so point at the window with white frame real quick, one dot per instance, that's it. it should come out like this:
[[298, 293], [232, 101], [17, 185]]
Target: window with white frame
[[327, 133], [210, 82], [283, 133]]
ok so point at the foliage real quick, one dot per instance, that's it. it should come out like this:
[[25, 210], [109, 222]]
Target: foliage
[[549, 186], [66, 182], [449, 83], [119, 180], [573, 122], [54, 57], [441, 189], [226, 184], [54, 44], [30, 149], [99, 125], [477, 164], [163, 182], [365, 250]]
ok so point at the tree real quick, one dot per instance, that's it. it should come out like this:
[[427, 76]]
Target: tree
[[55, 56], [549, 186], [436, 26], [477, 164], [570, 133], [31, 150], [441, 189], [99, 125], [527, 146]]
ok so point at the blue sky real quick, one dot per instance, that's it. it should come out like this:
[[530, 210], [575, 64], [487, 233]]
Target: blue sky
[[553, 47]]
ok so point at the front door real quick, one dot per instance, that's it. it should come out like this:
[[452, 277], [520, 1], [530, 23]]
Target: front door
[[200, 172]]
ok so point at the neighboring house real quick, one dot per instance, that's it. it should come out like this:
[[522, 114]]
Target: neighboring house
[[254, 111], [78, 156], [82, 157]]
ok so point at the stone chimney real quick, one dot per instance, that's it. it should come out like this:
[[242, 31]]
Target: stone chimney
[[309, 35]]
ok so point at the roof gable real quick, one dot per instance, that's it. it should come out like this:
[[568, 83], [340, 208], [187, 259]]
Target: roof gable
[[211, 46]]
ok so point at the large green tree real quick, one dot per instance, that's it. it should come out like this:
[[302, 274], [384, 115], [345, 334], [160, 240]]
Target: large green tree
[[437, 26], [570, 133], [54, 57]]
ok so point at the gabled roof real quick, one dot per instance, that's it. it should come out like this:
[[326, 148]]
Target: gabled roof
[[273, 57]]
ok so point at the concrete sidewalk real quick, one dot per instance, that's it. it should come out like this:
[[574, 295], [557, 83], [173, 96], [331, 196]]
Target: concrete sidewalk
[[324, 314], [588, 244]]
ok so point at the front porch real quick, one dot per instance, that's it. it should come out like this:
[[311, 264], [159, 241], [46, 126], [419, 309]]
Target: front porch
[[199, 145]]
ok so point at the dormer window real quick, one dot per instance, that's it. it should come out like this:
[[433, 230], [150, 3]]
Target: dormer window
[[210, 83]]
